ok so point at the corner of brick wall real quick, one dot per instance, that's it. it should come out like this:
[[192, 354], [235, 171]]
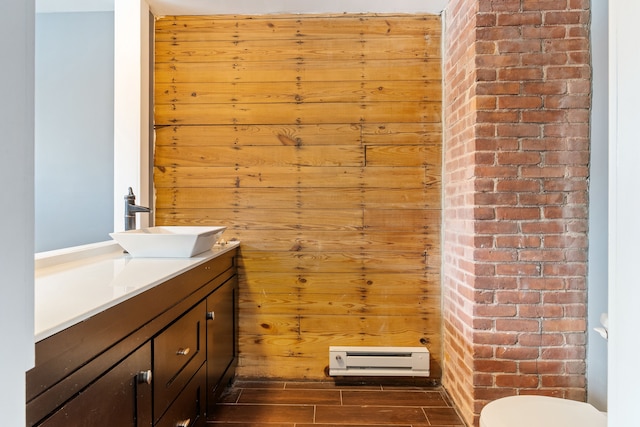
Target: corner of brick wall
[[516, 186], [458, 228]]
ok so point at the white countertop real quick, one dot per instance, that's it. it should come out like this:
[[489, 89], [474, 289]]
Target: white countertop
[[71, 286]]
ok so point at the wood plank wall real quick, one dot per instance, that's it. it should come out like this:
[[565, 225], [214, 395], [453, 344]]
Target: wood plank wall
[[317, 141]]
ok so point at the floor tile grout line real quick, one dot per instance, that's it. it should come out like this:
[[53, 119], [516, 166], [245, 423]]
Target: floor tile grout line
[[426, 416]]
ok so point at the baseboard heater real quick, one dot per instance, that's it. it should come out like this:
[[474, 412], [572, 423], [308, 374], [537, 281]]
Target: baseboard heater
[[379, 361]]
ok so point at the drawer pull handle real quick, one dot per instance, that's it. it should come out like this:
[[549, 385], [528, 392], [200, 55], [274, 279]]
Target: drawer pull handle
[[144, 377], [211, 315], [183, 351], [184, 423]]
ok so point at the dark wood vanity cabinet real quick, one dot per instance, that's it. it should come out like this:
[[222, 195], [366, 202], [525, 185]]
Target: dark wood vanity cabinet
[[160, 358]]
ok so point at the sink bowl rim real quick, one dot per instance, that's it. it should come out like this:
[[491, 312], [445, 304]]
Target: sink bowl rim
[[168, 241]]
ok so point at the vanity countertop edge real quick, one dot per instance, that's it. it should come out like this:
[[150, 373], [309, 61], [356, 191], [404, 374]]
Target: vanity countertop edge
[[71, 286]]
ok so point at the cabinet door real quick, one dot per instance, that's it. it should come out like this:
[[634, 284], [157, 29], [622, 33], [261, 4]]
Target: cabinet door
[[121, 397], [221, 334]]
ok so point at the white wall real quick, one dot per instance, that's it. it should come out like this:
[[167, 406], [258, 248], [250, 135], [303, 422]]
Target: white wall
[[598, 193], [624, 213], [74, 129], [16, 217]]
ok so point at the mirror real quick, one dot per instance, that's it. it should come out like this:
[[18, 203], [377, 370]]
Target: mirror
[[74, 99]]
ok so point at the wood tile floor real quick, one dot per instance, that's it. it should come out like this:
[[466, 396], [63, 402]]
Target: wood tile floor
[[305, 404]]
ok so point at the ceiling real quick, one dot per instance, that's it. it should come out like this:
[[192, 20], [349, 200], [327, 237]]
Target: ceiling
[[205, 7]]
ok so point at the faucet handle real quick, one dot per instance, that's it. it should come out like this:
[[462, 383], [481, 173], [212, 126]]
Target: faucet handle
[[130, 198]]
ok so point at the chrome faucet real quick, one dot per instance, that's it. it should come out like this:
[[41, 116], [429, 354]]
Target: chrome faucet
[[130, 209]]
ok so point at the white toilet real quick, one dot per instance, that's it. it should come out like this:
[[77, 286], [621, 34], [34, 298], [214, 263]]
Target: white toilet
[[540, 411]]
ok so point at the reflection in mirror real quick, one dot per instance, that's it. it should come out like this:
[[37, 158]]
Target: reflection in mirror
[[73, 128]]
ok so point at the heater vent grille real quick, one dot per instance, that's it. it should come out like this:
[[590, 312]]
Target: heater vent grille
[[379, 361]]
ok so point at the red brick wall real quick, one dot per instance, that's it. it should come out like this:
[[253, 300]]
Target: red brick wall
[[517, 99]]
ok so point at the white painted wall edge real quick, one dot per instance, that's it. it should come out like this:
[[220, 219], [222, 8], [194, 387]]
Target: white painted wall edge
[[624, 209], [598, 208], [17, 43], [131, 108]]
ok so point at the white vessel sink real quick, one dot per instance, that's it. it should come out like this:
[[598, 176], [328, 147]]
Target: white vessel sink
[[168, 241]]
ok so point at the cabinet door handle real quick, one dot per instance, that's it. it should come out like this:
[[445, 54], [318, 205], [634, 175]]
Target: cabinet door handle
[[211, 315], [184, 423], [183, 351], [144, 377]]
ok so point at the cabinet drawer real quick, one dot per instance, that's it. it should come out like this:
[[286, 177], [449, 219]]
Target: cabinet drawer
[[178, 352], [188, 408]]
